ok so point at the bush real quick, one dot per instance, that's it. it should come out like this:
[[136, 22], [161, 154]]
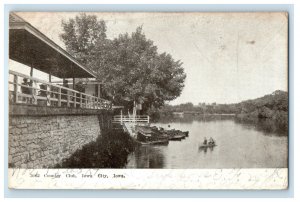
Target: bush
[[108, 151]]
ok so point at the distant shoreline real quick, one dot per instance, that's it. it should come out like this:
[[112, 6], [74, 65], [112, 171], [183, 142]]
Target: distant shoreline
[[197, 113]]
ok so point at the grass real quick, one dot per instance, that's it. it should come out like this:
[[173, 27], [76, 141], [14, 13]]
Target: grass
[[109, 151]]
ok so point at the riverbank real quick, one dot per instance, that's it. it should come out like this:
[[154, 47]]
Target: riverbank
[[108, 151], [276, 122]]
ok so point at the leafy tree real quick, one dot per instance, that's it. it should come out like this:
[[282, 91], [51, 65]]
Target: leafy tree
[[82, 35], [129, 65]]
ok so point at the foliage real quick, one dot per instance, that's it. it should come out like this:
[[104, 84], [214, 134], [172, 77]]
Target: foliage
[[109, 151], [273, 106], [82, 35], [263, 106], [129, 65]]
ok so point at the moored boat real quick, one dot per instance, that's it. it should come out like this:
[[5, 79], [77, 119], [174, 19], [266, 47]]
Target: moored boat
[[146, 135], [157, 142], [153, 135], [175, 134], [186, 133], [176, 137]]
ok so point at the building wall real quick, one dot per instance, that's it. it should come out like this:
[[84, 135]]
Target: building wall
[[44, 141]]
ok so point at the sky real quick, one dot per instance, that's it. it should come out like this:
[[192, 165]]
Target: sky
[[227, 57]]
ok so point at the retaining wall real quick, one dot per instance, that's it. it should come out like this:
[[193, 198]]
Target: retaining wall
[[41, 138]]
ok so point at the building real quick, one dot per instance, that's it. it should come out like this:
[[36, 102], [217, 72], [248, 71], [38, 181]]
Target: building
[[30, 47]]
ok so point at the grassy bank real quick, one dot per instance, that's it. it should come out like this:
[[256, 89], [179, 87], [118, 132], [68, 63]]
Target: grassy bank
[[108, 151], [276, 121]]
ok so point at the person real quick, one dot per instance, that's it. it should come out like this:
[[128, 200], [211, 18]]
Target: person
[[64, 93], [26, 90], [211, 141], [43, 91], [205, 141]]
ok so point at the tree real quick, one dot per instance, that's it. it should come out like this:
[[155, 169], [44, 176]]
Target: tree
[[82, 35], [129, 65]]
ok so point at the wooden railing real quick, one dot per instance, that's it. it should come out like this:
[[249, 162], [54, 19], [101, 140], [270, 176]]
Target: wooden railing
[[131, 119], [38, 92]]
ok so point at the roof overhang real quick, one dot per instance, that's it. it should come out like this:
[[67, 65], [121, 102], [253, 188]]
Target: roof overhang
[[29, 46]]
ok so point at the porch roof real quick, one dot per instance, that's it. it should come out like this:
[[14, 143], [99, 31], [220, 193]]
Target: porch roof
[[29, 46]]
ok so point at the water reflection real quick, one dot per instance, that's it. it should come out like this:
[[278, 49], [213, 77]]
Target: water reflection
[[189, 119], [240, 144], [204, 149], [147, 156], [267, 126]]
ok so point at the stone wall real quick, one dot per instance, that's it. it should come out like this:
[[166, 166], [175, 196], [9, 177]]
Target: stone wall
[[44, 141]]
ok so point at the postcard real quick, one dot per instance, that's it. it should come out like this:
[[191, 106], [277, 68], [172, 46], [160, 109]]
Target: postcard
[[156, 100]]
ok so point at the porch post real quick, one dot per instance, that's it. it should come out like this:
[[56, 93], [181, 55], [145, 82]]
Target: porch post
[[15, 88], [99, 96], [121, 117], [31, 71]]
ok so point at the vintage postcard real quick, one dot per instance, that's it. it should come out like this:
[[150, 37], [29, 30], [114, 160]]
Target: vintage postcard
[[186, 100]]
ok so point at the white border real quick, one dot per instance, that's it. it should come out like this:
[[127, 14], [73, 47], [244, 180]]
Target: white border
[[181, 179], [296, 74]]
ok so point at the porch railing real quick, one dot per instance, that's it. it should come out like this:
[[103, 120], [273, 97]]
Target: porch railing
[[38, 92], [131, 119]]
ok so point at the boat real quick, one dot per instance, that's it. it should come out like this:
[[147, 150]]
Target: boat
[[146, 135], [176, 137], [186, 133], [154, 135], [175, 134], [157, 142], [203, 146]]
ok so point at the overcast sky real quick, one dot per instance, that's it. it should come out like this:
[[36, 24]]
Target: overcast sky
[[228, 57]]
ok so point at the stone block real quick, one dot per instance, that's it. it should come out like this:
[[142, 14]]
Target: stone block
[[30, 165], [49, 139], [23, 165], [12, 150], [17, 131], [24, 131], [23, 125]]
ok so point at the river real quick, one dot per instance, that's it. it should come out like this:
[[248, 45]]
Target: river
[[239, 145]]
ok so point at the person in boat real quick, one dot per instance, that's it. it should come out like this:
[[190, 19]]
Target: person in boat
[[211, 141], [205, 141]]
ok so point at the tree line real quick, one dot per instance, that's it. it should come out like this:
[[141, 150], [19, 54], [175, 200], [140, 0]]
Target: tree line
[[272, 106], [278, 100]]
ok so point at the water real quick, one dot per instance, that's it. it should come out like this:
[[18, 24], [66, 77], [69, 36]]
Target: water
[[239, 145]]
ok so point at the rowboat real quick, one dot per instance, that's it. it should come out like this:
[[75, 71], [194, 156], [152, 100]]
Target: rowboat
[[157, 142], [186, 133], [202, 146], [176, 137], [176, 134], [146, 135], [153, 135]]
